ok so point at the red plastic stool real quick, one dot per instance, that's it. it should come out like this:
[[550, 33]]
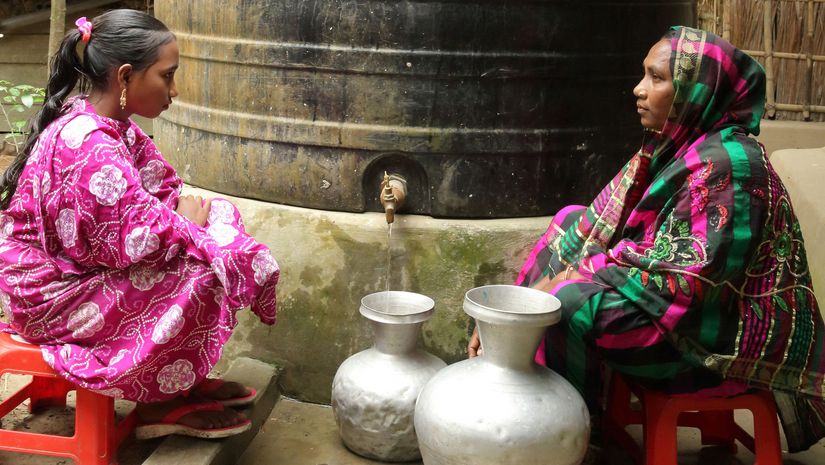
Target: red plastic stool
[[96, 437], [661, 414]]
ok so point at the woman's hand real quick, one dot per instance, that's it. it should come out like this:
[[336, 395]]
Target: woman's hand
[[547, 284], [194, 208], [474, 347]]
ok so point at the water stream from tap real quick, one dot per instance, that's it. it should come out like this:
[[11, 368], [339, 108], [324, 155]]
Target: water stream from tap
[[389, 264]]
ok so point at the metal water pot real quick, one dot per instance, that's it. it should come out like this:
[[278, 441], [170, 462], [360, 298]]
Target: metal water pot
[[502, 408], [374, 391]]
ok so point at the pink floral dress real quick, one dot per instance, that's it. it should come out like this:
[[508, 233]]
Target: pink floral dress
[[124, 295]]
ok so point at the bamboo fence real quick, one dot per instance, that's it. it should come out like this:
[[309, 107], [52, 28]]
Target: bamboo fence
[[788, 38]]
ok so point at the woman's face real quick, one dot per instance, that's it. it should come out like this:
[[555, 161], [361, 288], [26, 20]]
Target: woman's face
[[654, 93], [151, 90]]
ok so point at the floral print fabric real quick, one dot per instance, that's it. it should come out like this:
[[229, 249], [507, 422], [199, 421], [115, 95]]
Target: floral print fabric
[[124, 295]]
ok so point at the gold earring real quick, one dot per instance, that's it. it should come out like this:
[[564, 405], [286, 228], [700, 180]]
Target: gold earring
[[123, 99]]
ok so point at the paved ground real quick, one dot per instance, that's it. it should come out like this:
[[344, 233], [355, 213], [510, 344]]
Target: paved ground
[[298, 433], [305, 434]]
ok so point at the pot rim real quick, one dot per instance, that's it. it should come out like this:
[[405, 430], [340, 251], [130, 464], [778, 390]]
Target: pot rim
[[415, 308], [536, 308]]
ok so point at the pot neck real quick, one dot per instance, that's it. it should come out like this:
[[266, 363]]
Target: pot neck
[[396, 338], [510, 346]]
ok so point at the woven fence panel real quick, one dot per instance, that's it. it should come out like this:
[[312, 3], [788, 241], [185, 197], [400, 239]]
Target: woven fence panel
[[788, 38]]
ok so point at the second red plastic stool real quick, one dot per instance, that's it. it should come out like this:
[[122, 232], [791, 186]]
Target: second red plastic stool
[[661, 414]]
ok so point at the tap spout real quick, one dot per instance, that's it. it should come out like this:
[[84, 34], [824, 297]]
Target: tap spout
[[393, 194], [389, 211]]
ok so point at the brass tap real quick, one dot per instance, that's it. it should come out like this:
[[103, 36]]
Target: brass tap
[[393, 194]]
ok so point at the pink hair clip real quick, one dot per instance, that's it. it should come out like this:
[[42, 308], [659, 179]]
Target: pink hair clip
[[85, 28]]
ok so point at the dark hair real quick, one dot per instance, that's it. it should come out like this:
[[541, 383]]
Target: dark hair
[[671, 33], [118, 37]]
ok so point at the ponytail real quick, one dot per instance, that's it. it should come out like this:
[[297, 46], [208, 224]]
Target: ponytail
[[65, 73]]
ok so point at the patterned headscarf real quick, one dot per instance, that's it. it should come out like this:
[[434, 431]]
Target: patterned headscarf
[[718, 88]]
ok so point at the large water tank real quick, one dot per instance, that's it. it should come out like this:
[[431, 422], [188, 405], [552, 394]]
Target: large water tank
[[488, 108]]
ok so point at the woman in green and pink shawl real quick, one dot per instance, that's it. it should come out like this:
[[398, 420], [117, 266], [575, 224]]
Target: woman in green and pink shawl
[[687, 273]]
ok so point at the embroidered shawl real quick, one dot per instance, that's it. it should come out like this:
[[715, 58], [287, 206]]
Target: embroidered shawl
[[697, 232]]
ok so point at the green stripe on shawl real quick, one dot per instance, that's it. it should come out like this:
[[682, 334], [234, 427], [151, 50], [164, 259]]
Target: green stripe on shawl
[[703, 93], [579, 326], [802, 339], [742, 234], [741, 229]]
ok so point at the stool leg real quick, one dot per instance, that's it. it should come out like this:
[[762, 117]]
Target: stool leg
[[95, 429], [718, 428], [659, 431], [766, 432], [48, 392]]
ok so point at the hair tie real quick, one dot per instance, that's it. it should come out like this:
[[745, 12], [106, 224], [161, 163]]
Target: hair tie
[[85, 28]]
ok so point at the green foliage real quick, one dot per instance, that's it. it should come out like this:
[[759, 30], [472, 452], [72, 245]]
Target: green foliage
[[18, 98]]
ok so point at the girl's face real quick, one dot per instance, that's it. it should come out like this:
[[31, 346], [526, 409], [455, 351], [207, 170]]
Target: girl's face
[[150, 91], [654, 93]]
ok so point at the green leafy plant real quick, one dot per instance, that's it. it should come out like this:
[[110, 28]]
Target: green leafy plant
[[19, 97]]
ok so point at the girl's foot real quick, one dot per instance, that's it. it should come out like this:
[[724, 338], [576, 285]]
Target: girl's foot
[[207, 419], [228, 393]]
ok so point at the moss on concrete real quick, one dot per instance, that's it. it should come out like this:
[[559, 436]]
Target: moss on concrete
[[331, 260]]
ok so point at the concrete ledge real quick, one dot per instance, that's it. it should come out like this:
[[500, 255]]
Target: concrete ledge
[[777, 135], [180, 450]]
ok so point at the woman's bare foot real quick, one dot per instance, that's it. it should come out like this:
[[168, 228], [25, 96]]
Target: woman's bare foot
[[218, 390], [155, 412]]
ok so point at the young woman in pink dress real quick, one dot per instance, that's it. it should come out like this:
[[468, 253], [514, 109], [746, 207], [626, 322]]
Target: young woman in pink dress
[[130, 288]]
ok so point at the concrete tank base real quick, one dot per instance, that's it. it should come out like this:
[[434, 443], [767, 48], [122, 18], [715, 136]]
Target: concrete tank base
[[330, 260]]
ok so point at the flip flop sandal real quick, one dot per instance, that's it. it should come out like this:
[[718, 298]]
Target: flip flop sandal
[[169, 424], [210, 385]]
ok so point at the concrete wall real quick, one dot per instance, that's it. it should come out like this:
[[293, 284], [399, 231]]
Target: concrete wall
[[23, 61], [330, 260], [778, 135]]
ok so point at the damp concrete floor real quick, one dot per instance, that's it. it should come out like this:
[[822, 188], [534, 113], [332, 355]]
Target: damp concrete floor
[[298, 433], [305, 434]]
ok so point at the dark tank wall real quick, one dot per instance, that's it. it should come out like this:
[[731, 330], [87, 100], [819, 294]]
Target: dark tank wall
[[490, 109]]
